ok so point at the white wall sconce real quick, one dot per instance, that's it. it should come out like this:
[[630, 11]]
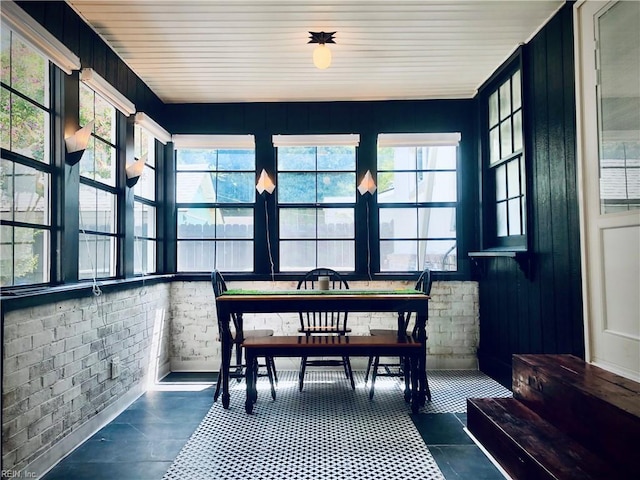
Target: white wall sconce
[[134, 171], [322, 54], [107, 91], [367, 184], [265, 184], [77, 143]]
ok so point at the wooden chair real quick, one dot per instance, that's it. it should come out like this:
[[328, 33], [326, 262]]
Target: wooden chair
[[399, 368], [237, 370], [324, 323]]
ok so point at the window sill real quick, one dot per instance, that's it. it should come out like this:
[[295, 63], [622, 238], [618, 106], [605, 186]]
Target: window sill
[[522, 256]]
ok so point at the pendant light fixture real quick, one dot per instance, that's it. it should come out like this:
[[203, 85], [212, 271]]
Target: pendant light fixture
[[322, 54]]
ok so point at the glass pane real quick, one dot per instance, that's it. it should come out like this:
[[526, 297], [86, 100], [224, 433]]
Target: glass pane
[[398, 256], [517, 131], [436, 223], [505, 100], [336, 158], [5, 58], [235, 223], [619, 107], [493, 109], [105, 163], [297, 256], [516, 90], [105, 118], [96, 256], [197, 222], [505, 139], [106, 211], [197, 256], [196, 159], [336, 187], [87, 163], [196, 187], [296, 158], [86, 105], [494, 145], [336, 223], [513, 178], [28, 71], [398, 223], [234, 256], [6, 189], [297, 222], [437, 187], [400, 158], [5, 118], [437, 158], [501, 219], [31, 195], [523, 210], [6, 252], [144, 220], [339, 255], [514, 217], [400, 187], [438, 255], [501, 182], [236, 159], [23, 258], [146, 186], [29, 135], [145, 256], [296, 187], [235, 187], [88, 210]]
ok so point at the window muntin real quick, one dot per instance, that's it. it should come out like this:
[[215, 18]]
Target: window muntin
[[506, 156], [215, 196], [145, 206], [97, 196], [417, 200], [316, 191], [25, 171]]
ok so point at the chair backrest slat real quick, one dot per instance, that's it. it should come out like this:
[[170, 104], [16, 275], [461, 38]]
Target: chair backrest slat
[[327, 321]]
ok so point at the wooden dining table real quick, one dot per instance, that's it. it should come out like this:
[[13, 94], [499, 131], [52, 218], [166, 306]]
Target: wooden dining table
[[239, 302]]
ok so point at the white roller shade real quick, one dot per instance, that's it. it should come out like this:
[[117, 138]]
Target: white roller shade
[[107, 91], [146, 122], [418, 139], [213, 141], [38, 37], [348, 140]]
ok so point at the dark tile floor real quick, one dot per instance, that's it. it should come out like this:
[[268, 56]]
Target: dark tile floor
[[141, 443]]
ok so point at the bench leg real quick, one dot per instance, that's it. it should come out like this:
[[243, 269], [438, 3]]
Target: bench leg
[[303, 367], [251, 373], [270, 374], [416, 400], [374, 373]]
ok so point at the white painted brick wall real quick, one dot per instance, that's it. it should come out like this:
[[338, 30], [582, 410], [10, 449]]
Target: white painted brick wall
[[56, 359], [453, 327], [56, 364]]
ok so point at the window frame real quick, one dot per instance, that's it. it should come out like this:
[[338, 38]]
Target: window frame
[[490, 238], [45, 167]]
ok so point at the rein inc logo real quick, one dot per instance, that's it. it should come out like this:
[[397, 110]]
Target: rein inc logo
[[18, 474]]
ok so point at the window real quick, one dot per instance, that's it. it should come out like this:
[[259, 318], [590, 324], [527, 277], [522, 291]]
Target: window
[[417, 200], [215, 196], [97, 197], [146, 132], [25, 167], [506, 157], [316, 195], [145, 206]]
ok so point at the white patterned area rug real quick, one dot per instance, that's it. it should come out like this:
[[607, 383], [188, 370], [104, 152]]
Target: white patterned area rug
[[327, 431]]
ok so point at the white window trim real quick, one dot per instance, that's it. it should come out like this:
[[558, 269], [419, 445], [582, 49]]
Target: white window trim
[[108, 91], [213, 141], [152, 127], [418, 139], [38, 37], [347, 140]]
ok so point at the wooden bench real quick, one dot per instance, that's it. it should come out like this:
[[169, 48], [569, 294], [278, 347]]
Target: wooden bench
[[567, 420], [334, 346]]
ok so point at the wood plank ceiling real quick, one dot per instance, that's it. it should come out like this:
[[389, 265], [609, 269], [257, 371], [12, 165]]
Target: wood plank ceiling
[[256, 50]]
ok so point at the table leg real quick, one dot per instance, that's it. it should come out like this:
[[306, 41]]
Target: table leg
[[415, 384], [226, 341], [250, 377], [421, 322]]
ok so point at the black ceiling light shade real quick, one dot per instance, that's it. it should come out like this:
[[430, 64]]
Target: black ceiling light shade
[[321, 54]]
